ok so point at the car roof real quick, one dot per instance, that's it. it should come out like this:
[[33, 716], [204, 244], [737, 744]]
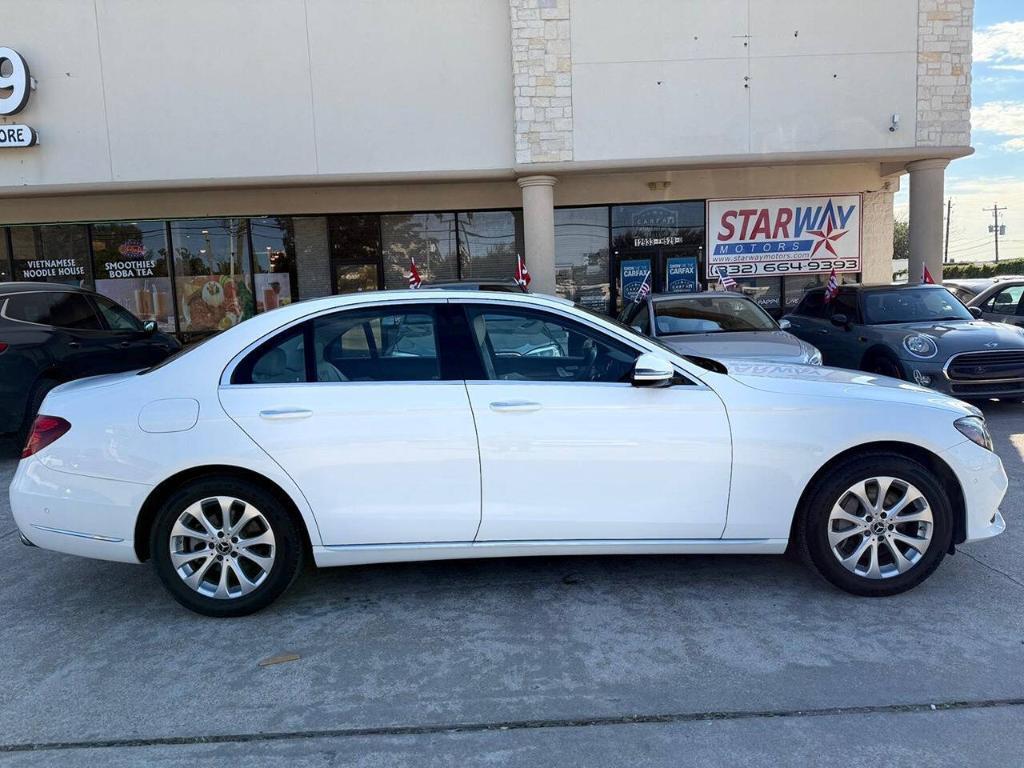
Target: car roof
[[868, 287], [32, 287]]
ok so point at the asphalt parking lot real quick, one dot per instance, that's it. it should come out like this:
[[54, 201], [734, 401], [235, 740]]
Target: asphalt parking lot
[[548, 661]]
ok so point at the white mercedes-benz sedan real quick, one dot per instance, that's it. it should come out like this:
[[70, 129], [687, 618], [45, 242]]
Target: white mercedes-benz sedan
[[421, 425]]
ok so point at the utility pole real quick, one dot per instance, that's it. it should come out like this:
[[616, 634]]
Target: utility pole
[[995, 227], [945, 249]]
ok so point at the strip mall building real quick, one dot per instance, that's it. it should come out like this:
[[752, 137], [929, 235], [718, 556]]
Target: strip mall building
[[286, 149]]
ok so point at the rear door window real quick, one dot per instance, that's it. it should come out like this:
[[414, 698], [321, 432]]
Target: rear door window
[[61, 309]]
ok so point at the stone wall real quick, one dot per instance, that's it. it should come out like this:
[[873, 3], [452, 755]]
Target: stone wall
[[944, 72], [876, 244], [313, 255], [542, 76]]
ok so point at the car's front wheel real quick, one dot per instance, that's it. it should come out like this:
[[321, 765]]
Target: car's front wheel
[[225, 547], [876, 525]]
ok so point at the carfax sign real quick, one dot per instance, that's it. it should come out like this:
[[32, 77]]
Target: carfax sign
[[784, 236]]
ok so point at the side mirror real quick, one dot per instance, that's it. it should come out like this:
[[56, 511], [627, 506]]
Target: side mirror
[[840, 320], [652, 370], [784, 324], [149, 327], [975, 312]]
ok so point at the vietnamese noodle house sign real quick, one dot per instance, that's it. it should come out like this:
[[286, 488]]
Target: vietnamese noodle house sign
[[16, 84], [784, 236]]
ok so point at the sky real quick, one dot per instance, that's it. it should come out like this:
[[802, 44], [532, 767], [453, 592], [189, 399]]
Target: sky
[[995, 172]]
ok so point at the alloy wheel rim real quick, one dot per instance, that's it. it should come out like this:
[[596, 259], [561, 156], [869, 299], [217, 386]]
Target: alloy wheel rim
[[222, 547], [880, 527]]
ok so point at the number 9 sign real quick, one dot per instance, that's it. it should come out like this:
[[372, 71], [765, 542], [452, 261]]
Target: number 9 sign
[[15, 82]]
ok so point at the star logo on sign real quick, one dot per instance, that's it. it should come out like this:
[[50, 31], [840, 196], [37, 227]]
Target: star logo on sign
[[827, 235]]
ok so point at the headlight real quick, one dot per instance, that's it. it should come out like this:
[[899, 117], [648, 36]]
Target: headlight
[[815, 357], [975, 430], [920, 346]]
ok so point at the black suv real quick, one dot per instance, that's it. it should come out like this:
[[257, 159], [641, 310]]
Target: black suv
[[54, 333]]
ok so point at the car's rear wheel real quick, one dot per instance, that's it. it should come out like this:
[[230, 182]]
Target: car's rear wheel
[[225, 547], [876, 525]]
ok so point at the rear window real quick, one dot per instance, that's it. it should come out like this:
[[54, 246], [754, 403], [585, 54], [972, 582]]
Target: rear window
[[59, 309]]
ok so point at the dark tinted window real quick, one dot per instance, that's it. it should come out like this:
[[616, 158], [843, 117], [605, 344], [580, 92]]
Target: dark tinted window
[[813, 305], [1006, 301], [528, 345], [845, 304], [63, 310], [384, 344]]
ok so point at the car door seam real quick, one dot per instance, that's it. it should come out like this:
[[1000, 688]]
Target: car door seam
[[479, 461]]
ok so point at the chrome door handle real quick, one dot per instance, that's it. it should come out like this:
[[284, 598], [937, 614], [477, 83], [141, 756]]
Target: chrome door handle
[[515, 406], [278, 414]]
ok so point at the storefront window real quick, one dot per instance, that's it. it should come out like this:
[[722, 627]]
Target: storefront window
[[665, 239], [57, 253], [797, 285], [211, 268], [130, 267], [5, 257], [427, 237], [273, 245], [489, 242], [355, 252], [581, 256]]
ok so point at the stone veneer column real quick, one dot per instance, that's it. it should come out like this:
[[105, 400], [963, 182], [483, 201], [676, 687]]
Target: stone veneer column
[[877, 232], [927, 181], [539, 231], [542, 79], [944, 31]]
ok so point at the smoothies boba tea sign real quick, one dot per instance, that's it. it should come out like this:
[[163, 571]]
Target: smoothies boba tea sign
[[784, 236]]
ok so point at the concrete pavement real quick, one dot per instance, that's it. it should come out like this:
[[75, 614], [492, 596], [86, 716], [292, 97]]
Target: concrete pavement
[[567, 661]]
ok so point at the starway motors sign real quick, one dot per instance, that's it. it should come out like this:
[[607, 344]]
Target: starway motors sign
[[784, 236]]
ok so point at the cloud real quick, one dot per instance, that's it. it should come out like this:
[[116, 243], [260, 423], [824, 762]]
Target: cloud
[[1004, 118], [1000, 43]]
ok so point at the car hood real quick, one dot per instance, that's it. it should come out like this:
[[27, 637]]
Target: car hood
[[760, 345], [821, 381], [964, 335]]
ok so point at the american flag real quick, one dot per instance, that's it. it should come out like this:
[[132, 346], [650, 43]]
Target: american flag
[[414, 274], [645, 288], [725, 282], [522, 273], [832, 287]]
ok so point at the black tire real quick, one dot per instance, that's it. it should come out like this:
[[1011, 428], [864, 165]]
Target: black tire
[[884, 365], [812, 529], [288, 553], [39, 393]]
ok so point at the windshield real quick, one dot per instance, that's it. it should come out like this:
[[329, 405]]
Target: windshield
[[710, 314], [911, 305]]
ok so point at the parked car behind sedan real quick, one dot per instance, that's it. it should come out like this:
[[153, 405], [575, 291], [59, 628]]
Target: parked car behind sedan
[[717, 324], [466, 447], [52, 333], [968, 288], [1001, 302], [919, 333]]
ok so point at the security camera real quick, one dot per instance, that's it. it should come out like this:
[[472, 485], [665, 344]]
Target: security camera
[[894, 122]]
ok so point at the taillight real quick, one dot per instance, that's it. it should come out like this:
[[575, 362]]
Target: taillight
[[45, 429], [2, 346]]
